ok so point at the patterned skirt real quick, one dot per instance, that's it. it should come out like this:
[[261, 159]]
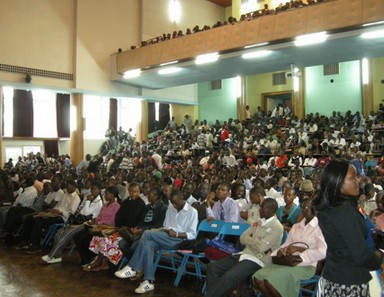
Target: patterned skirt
[[107, 246], [327, 288]]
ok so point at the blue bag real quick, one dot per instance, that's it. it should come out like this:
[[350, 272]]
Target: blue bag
[[222, 245]]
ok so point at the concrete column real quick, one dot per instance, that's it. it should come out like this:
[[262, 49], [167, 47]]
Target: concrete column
[[77, 132]]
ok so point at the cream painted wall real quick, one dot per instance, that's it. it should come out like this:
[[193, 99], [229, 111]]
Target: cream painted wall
[[102, 28], [92, 146], [262, 83], [72, 36], [179, 111], [37, 34], [378, 87], [156, 20]]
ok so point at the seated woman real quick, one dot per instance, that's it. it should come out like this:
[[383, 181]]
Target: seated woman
[[289, 213], [280, 280], [107, 248], [129, 214], [93, 206]]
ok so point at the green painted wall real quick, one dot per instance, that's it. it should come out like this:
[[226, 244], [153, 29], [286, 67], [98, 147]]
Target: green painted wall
[[262, 83], [344, 93], [378, 76], [218, 104]]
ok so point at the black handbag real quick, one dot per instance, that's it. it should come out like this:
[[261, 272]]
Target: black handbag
[[290, 260], [77, 219]]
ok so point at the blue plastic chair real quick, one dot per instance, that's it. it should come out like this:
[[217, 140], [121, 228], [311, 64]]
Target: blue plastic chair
[[51, 232], [308, 292], [168, 255], [194, 259], [234, 229]]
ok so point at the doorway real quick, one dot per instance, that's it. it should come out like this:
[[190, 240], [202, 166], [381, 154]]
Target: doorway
[[270, 100]]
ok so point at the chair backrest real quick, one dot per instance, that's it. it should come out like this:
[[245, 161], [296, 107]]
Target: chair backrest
[[213, 226], [235, 229]]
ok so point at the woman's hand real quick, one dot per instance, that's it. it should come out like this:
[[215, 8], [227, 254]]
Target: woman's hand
[[293, 249]]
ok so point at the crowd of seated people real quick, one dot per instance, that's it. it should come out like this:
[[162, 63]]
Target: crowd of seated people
[[232, 20], [223, 171]]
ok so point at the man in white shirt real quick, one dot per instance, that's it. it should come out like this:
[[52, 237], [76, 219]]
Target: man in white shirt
[[33, 226], [309, 164], [180, 223], [229, 160]]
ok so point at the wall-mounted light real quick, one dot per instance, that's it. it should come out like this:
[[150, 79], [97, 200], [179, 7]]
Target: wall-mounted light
[[206, 58], [132, 73], [309, 39], [174, 11]]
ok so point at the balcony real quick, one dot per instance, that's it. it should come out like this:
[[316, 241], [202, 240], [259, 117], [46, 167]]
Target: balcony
[[342, 20]]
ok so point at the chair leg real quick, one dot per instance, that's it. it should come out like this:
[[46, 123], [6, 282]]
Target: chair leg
[[157, 260], [180, 270]]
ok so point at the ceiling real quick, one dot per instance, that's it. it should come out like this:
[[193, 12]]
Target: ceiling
[[223, 3], [339, 47]]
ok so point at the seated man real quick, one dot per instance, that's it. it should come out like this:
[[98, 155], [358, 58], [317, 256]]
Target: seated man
[[33, 225], [225, 209], [260, 240], [180, 223]]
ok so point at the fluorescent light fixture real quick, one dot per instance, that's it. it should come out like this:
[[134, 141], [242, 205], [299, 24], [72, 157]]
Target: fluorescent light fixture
[[365, 71], [256, 45], [310, 39], [169, 70], [169, 63], [373, 34], [256, 54], [132, 73], [373, 24], [207, 58]]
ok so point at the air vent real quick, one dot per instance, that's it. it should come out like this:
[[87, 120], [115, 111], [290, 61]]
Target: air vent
[[279, 79], [331, 69], [36, 72], [216, 85]]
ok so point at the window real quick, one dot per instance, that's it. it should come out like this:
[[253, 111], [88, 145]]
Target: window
[[129, 113], [96, 115], [44, 114], [15, 152]]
